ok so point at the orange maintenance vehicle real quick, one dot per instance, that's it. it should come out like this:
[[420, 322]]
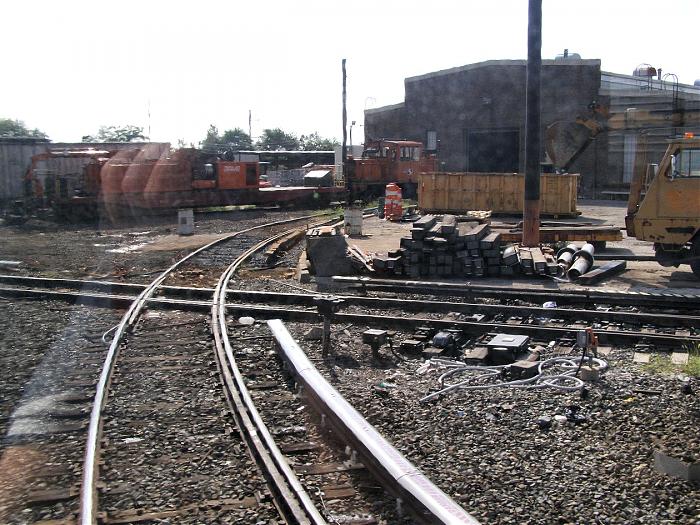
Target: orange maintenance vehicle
[[385, 161], [147, 179]]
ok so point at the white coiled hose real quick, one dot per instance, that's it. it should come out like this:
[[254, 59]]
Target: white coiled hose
[[565, 381]]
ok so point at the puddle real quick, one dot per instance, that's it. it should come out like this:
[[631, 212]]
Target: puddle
[[128, 249]]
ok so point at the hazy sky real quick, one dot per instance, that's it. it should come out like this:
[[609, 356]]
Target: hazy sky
[[70, 66]]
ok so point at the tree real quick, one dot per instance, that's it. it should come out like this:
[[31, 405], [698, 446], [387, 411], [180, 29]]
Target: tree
[[128, 133], [276, 140], [237, 138], [314, 142], [16, 128], [212, 137]]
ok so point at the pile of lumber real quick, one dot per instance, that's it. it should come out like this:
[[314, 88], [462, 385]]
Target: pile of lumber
[[441, 248], [448, 249], [528, 261]]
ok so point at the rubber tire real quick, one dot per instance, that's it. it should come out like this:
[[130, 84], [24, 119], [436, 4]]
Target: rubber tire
[[695, 265]]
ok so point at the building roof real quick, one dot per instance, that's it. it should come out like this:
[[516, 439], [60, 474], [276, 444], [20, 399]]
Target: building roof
[[490, 63], [617, 81]]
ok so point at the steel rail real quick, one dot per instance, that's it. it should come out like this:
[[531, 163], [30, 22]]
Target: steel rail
[[293, 501], [660, 299], [88, 490], [311, 316], [428, 503], [417, 305]]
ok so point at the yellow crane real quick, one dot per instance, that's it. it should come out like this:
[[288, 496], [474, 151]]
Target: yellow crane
[[664, 203]]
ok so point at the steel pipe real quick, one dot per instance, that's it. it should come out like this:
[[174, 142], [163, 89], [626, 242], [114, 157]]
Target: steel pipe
[[582, 262]]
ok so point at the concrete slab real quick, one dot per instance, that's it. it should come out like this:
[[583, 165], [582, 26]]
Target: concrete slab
[[679, 358], [677, 468], [641, 357]]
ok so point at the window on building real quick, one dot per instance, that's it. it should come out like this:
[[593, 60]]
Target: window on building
[[431, 141], [629, 154]]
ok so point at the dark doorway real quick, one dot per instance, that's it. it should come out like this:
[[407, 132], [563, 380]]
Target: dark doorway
[[493, 151]]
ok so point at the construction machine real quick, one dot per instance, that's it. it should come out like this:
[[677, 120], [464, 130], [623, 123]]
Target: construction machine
[[664, 200], [385, 161]]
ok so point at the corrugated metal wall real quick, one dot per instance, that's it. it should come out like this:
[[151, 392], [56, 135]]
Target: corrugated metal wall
[[16, 156]]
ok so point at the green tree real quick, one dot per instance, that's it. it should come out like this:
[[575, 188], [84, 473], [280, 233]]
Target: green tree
[[16, 128], [128, 133], [213, 138], [277, 139], [237, 138], [314, 142], [234, 138]]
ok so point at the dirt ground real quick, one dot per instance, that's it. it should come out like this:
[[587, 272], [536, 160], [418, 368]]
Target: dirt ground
[[133, 252], [137, 252], [382, 236]]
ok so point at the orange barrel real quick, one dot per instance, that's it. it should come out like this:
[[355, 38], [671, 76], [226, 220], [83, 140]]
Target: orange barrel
[[392, 203]]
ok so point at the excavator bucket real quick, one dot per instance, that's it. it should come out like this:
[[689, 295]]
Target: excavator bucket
[[564, 141]]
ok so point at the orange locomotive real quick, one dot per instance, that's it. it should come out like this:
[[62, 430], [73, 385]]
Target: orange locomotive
[[150, 179], [385, 161]]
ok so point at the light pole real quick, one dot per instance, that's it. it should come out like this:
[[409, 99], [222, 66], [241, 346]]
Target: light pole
[[351, 125]]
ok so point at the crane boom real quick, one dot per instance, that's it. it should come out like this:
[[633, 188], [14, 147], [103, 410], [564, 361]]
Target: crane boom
[[566, 140]]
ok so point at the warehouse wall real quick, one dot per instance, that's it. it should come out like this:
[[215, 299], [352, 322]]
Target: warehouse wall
[[480, 108]]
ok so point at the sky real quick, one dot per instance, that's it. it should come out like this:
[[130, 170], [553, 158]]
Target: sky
[[70, 67]]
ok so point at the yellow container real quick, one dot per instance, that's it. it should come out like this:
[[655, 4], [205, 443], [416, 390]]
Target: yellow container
[[498, 192]]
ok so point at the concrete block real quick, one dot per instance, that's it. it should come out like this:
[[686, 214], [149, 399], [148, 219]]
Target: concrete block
[[315, 333], [641, 357], [589, 373], [524, 369], [604, 350], [679, 358], [675, 467], [411, 346], [431, 351], [476, 355], [326, 250]]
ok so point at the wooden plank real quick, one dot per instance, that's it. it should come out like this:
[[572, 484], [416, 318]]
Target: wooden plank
[[338, 492], [327, 468], [567, 234], [137, 515], [607, 270], [298, 448], [538, 260], [41, 497]]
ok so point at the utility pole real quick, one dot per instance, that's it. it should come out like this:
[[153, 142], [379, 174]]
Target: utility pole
[[250, 125], [531, 208], [346, 170]]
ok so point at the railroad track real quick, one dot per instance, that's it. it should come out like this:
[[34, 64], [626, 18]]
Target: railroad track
[[660, 298], [154, 416], [295, 465], [155, 431], [69, 399], [613, 325]]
